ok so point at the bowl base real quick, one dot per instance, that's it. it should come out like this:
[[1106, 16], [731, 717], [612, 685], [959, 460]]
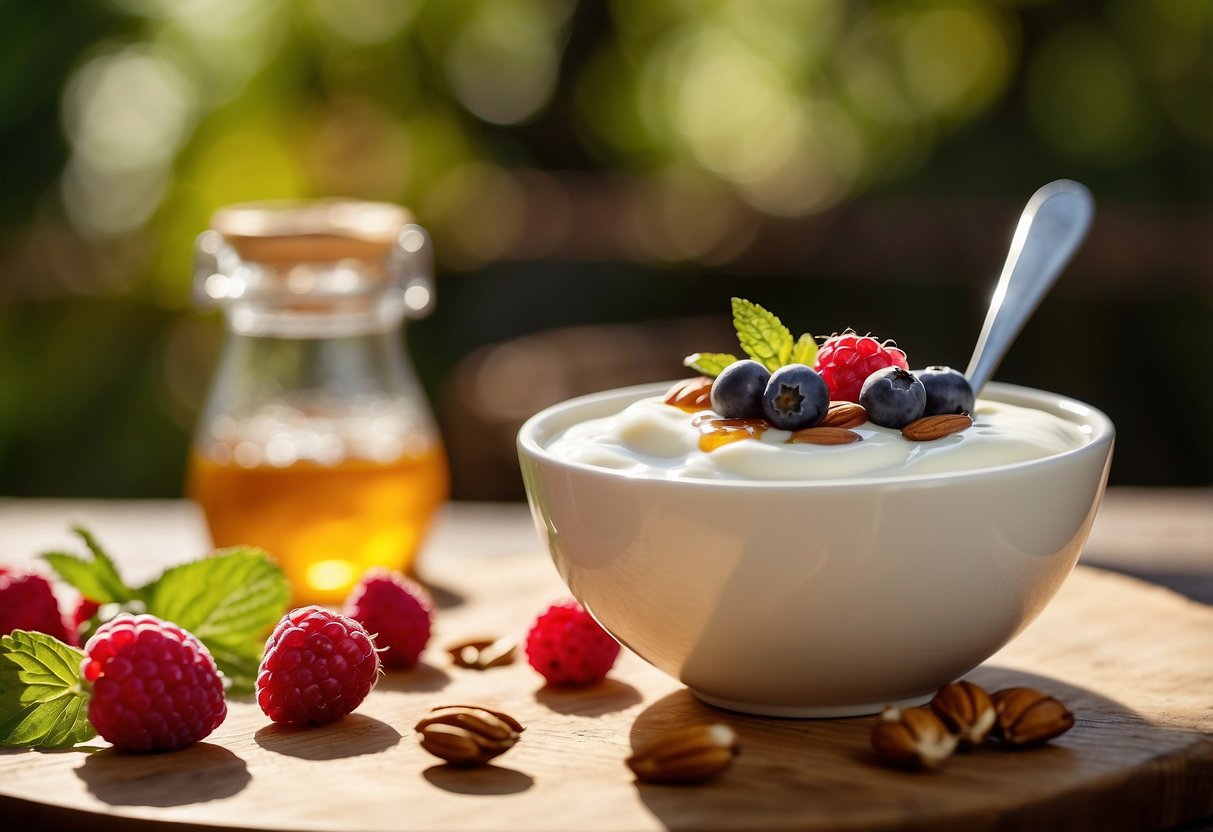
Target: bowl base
[[810, 712]]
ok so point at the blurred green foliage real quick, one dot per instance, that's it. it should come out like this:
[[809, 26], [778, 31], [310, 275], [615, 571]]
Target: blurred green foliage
[[521, 132]]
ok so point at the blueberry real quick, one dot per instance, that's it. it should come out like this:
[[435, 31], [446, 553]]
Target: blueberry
[[795, 397], [893, 397], [947, 391], [737, 391]]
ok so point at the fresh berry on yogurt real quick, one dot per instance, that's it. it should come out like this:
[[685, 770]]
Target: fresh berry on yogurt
[[795, 397], [845, 361], [948, 391], [737, 391], [893, 397]]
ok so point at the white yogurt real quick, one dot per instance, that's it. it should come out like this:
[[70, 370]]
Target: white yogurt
[[654, 439]]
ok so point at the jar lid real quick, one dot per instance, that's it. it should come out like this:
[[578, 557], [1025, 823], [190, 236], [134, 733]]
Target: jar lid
[[320, 231]]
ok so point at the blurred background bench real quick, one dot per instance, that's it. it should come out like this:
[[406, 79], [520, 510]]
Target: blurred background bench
[[599, 179]]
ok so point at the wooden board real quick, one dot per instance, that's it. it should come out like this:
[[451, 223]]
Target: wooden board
[[1133, 661]]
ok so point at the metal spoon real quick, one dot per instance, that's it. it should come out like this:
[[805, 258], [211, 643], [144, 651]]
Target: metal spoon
[[1050, 230]]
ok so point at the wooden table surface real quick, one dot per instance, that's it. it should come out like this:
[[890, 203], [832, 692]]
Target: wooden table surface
[[1134, 661]]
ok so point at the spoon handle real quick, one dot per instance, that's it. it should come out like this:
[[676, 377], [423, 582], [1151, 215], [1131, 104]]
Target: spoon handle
[[1050, 229]]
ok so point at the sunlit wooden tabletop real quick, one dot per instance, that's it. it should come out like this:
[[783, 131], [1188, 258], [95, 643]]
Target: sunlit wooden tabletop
[[1121, 653]]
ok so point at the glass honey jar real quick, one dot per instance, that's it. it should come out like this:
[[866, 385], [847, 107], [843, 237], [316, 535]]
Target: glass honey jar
[[316, 442]]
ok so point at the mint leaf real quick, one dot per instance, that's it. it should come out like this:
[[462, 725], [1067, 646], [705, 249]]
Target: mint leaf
[[42, 701], [762, 335], [711, 364], [804, 351], [229, 601], [96, 578]]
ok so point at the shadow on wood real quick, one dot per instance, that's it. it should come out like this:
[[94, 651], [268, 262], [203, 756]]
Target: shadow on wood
[[486, 780], [354, 735], [198, 774], [421, 678], [606, 697]]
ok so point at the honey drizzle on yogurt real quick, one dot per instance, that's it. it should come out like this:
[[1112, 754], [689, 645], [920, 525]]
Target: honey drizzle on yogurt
[[715, 432], [692, 395]]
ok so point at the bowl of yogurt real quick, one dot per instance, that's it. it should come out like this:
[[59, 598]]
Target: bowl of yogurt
[[803, 580]]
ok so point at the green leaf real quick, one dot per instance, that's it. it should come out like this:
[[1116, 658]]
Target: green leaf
[[804, 351], [96, 578], [238, 663], [763, 336], [42, 701], [709, 363], [229, 601]]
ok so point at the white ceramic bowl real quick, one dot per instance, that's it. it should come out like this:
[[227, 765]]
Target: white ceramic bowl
[[815, 599]]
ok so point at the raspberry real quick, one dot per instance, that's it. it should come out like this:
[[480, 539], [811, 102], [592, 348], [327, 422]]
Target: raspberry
[[85, 609], [27, 602], [396, 611], [319, 665], [845, 361], [568, 647], [155, 686]]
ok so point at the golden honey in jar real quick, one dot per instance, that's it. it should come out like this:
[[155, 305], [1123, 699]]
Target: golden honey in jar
[[326, 520], [316, 442]]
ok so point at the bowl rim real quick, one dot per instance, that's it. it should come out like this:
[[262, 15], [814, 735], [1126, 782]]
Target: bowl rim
[[537, 431]]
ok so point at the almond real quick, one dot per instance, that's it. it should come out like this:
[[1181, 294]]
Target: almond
[[967, 711], [1028, 717], [467, 735], [825, 436], [914, 738], [936, 427], [843, 415], [483, 653], [686, 755]]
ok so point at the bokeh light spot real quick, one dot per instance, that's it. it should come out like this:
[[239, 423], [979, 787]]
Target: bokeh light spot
[[504, 61], [364, 21], [955, 58]]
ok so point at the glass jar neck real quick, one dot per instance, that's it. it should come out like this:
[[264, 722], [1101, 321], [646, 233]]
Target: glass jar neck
[[306, 280], [308, 300]]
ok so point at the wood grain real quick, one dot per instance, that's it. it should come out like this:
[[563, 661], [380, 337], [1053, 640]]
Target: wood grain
[[1132, 661]]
